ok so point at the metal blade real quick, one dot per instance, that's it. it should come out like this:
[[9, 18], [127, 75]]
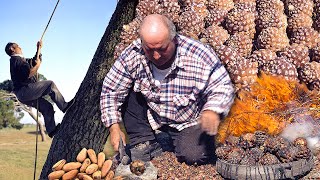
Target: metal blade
[[123, 156], [122, 150]]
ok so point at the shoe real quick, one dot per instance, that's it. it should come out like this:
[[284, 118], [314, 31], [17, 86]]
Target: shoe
[[145, 151], [70, 103], [54, 132]]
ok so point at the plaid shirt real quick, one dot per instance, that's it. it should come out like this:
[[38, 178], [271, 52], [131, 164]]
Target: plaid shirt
[[196, 81]]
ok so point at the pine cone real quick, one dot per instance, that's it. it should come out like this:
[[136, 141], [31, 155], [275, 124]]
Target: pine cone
[[287, 154], [262, 56], [200, 9], [272, 38], [232, 140], [215, 35], [297, 54], [243, 73], [256, 153], [247, 140], [273, 144], [315, 53], [299, 7], [271, 18], [280, 66], [299, 20], [235, 155], [241, 42], [215, 16], [306, 36], [238, 21], [268, 159], [129, 31], [316, 4], [226, 5], [275, 5], [227, 54], [171, 9], [246, 5], [186, 4], [260, 136], [189, 21], [303, 153], [146, 7], [300, 142], [223, 151], [310, 74]]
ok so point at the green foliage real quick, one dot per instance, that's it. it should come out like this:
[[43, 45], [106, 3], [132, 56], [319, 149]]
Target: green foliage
[[41, 77], [7, 85], [8, 116]]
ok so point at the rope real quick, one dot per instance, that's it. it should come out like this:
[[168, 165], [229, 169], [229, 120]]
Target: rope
[[37, 134], [49, 20], [37, 128]]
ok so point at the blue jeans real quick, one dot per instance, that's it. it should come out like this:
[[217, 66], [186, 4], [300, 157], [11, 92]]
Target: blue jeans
[[191, 145], [34, 92]]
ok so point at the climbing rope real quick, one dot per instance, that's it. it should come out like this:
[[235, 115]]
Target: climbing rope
[[37, 126]]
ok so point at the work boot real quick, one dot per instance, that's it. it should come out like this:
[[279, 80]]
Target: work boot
[[145, 151], [70, 103], [54, 132]]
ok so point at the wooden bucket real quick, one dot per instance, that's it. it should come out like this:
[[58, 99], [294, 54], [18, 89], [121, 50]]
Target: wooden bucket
[[291, 170]]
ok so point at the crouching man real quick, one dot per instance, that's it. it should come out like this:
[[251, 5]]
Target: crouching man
[[168, 82]]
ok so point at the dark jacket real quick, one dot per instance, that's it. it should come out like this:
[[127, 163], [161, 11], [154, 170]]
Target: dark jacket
[[20, 70]]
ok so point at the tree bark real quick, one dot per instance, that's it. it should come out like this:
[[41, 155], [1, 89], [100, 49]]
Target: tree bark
[[81, 126]]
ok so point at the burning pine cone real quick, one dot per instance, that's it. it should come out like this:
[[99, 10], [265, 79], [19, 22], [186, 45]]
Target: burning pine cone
[[268, 159]]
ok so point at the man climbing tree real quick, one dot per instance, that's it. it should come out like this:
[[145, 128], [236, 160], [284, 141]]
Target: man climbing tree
[[29, 91]]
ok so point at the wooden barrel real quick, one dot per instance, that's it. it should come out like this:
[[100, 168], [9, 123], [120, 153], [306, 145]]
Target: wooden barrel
[[290, 170]]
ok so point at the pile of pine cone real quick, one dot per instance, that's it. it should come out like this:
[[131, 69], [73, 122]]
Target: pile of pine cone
[[89, 166], [261, 149], [277, 37]]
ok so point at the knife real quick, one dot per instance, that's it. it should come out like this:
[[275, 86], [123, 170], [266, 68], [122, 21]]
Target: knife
[[122, 156]]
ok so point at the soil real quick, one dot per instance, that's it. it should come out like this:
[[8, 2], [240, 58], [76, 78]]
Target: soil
[[170, 169]]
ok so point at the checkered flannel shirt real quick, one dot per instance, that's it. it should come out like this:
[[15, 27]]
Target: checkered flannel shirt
[[196, 81]]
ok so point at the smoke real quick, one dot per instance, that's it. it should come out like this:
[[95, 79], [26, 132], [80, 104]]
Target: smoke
[[304, 126]]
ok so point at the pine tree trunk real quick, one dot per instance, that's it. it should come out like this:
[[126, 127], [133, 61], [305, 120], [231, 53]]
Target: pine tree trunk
[[81, 126]]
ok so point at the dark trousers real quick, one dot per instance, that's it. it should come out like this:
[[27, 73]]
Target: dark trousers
[[191, 145], [35, 91]]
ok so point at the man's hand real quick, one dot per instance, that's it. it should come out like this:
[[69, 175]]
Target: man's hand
[[39, 44], [115, 134], [209, 122]]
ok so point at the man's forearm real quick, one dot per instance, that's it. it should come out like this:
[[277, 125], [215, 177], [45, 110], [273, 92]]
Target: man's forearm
[[34, 70], [114, 127]]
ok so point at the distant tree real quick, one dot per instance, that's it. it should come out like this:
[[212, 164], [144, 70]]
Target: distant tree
[[7, 85], [6, 88], [8, 116]]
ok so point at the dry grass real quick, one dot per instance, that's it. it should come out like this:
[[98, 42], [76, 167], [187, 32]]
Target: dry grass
[[17, 150]]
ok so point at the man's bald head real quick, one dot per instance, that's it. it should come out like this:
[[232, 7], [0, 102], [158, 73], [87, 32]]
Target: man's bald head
[[156, 24]]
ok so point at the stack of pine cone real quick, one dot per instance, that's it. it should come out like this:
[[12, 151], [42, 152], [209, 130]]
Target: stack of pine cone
[[261, 149], [276, 37], [89, 166]]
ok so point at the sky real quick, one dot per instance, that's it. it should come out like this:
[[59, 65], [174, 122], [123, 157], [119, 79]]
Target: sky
[[69, 43]]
